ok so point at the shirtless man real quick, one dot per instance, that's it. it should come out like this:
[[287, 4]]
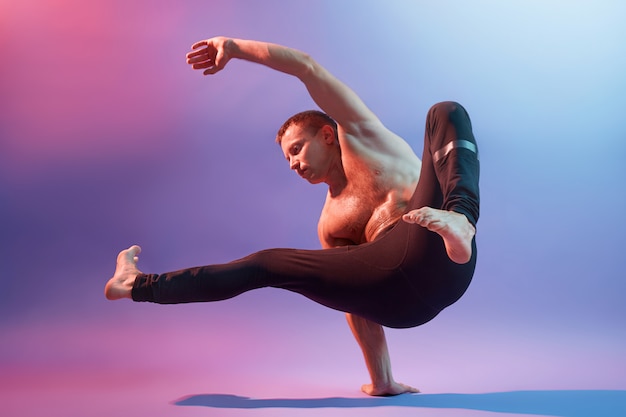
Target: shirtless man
[[371, 175], [370, 171]]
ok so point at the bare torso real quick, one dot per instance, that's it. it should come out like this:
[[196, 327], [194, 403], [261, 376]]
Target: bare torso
[[374, 198]]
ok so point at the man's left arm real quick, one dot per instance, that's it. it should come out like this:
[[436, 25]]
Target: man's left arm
[[360, 129]]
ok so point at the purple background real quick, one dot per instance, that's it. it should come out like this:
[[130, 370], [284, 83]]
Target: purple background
[[108, 138]]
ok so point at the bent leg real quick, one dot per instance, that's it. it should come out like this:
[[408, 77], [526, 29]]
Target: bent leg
[[454, 155], [449, 182], [454, 228]]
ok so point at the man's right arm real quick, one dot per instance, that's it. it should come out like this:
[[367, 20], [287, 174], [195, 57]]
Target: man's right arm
[[371, 339]]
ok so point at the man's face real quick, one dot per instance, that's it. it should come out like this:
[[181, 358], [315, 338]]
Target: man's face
[[308, 154]]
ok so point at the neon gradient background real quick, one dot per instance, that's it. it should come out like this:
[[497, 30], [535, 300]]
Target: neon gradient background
[[108, 138]]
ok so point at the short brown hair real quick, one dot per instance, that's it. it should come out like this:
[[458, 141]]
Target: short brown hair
[[313, 120]]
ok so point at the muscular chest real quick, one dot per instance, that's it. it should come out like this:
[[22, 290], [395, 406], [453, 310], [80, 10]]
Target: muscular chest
[[374, 200], [356, 218]]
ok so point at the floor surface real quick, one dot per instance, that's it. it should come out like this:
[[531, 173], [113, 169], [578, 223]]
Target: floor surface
[[200, 360]]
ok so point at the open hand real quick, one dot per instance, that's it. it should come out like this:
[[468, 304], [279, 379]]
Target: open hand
[[210, 55]]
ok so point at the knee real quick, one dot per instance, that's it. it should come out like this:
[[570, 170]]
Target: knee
[[448, 113], [443, 109], [260, 260]]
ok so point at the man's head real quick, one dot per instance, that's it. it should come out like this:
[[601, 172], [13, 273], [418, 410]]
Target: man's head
[[309, 142], [311, 120]]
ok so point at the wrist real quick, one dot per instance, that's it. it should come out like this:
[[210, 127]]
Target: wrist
[[231, 48]]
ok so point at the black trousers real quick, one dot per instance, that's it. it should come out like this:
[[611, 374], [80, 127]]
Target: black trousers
[[402, 279]]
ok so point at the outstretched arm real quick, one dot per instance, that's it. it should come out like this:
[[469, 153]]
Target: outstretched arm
[[357, 123], [331, 95]]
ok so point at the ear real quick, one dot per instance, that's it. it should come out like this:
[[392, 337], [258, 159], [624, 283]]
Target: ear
[[328, 133]]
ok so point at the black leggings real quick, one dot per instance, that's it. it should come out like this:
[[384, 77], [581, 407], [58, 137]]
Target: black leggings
[[402, 279]]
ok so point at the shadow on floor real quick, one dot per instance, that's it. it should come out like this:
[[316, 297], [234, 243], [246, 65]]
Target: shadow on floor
[[549, 403]]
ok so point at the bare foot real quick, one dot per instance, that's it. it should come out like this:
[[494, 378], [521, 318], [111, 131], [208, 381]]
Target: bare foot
[[121, 285], [457, 232], [395, 388]]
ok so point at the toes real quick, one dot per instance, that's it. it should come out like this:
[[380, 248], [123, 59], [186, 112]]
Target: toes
[[414, 216], [132, 252], [129, 254], [409, 218]]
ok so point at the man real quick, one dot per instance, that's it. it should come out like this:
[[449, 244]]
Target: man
[[371, 175]]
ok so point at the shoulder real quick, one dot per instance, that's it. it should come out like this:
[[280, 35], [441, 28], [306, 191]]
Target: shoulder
[[374, 146]]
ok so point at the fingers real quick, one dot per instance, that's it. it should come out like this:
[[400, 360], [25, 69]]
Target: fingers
[[206, 56], [203, 64], [200, 57], [211, 65], [410, 389], [199, 44], [198, 52], [201, 60], [197, 58]]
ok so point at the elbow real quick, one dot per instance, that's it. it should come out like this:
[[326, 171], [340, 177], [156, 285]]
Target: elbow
[[307, 68]]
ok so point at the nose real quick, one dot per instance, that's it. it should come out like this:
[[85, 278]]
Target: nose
[[294, 163]]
